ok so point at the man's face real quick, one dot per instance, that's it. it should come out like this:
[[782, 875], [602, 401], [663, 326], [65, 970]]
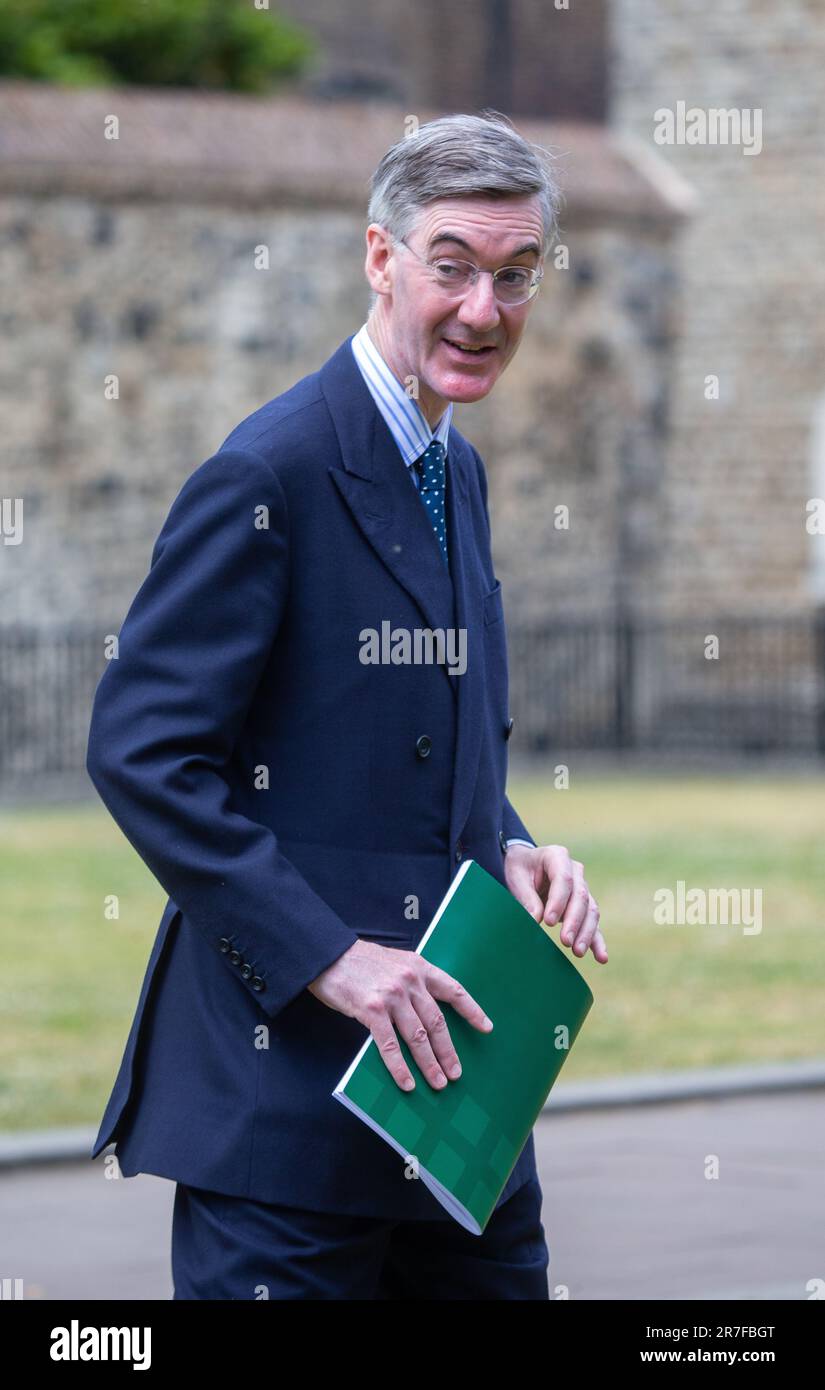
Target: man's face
[[419, 322]]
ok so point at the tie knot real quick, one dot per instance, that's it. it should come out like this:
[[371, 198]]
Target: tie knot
[[431, 466]]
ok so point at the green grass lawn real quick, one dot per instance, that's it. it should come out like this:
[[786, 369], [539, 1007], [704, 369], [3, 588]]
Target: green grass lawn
[[677, 996], [670, 996]]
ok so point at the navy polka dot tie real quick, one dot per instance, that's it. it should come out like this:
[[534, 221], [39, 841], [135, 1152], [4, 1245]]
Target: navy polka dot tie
[[432, 471]]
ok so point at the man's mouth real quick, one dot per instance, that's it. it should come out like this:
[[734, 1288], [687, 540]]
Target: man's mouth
[[471, 350]]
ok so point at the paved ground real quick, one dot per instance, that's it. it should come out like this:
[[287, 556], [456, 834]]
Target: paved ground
[[628, 1210]]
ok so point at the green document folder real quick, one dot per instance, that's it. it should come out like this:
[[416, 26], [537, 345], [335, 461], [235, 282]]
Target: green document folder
[[466, 1138]]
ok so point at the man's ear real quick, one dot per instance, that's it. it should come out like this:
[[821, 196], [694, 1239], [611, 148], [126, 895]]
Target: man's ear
[[379, 252]]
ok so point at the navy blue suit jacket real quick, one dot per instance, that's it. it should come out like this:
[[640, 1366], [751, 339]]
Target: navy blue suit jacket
[[239, 662]]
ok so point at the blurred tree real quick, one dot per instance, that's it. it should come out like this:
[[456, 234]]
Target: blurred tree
[[229, 44]]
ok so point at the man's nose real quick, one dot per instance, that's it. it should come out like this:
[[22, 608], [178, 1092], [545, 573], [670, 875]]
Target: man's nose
[[479, 307]]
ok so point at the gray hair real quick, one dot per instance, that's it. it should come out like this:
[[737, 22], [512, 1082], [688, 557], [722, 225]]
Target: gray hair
[[462, 156]]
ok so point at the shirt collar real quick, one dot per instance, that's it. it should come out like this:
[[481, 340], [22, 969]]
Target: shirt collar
[[405, 419]]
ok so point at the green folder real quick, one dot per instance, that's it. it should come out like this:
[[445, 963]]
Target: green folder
[[466, 1138]]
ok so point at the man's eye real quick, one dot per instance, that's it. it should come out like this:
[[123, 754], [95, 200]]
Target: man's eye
[[447, 268], [515, 276]]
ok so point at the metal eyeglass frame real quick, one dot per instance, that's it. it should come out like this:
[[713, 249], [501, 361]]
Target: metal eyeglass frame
[[476, 270]]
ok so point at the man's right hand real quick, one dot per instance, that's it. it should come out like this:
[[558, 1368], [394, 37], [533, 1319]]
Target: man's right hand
[[385, 989]]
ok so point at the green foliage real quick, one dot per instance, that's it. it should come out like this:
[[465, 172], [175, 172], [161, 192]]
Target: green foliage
[[225, 44]]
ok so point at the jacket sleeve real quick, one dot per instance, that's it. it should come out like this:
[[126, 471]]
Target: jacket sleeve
[[167, 712], [512, 825]]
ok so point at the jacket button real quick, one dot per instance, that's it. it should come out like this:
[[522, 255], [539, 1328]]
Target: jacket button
[[224, 945], [246, 970], [508, 728], [235, 957], [459, 852], [502, 839], [257, 983], [423, 746]]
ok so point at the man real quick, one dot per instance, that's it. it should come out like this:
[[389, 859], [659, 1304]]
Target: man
[[294, 797]]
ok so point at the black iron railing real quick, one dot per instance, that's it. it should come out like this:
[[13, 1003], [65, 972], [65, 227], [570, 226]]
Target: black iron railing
[[589, 683]]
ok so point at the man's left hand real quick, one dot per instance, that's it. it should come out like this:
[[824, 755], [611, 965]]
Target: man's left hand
[[552, 887]]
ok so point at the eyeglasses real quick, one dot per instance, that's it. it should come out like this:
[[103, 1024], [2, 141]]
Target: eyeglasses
[[512, 284]]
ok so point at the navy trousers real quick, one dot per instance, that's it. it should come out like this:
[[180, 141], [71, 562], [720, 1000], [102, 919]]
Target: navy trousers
[[236, 1248]]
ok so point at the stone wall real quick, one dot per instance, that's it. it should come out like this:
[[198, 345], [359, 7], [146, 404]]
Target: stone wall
[[739, 470], [137, 259]]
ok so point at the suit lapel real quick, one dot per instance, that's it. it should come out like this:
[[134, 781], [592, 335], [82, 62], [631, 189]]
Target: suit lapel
[[377, 488], [375, 485], [469, 614]]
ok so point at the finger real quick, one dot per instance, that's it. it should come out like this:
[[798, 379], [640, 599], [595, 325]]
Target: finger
[[588, 928], [414, 1033], [576, 912], [559, 869], [447, 988], [378, 1021], [439, 1034], [599, 947]]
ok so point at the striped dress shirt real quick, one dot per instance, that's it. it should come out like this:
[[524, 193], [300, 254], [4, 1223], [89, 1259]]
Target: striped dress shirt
[[405, 419]]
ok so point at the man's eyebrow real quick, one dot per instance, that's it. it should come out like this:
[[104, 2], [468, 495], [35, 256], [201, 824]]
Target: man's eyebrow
[[528, 248]]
